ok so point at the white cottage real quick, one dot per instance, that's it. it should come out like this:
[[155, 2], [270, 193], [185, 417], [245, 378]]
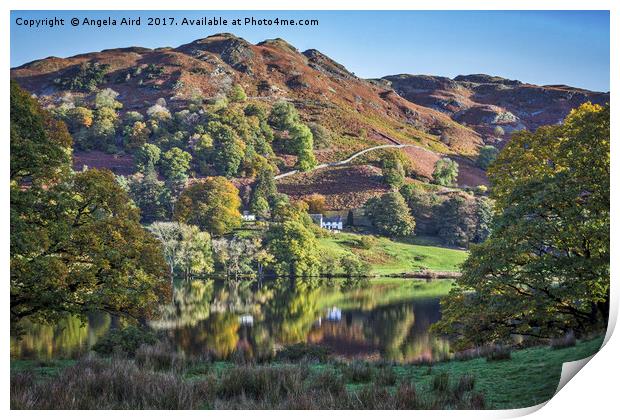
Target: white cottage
[[330, 223]]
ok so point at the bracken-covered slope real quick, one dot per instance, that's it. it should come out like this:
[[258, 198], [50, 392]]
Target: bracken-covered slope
[[358, 112], [452, 117], [484, 102]]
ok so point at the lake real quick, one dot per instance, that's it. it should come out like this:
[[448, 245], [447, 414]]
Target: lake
[[386, 319]]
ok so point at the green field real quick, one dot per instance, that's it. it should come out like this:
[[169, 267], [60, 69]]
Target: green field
[[387, 256]]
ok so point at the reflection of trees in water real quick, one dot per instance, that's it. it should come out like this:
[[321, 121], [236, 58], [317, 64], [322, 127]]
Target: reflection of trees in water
[[68, 338], [191, 303], [292, 311], [203, 317]]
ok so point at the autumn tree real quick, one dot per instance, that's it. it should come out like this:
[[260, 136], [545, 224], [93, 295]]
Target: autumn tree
[[67, 230], [544, 269], [212, 204]]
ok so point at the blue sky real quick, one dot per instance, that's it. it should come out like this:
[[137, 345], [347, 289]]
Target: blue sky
[[542, 47]]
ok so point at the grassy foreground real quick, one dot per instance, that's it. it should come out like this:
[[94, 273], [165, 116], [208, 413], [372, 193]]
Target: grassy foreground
[[387, 256], [158, 378]]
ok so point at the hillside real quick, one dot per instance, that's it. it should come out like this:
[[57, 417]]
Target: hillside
[[441, 116], [484, 102]]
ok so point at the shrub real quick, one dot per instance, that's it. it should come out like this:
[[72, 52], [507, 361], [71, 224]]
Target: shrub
[[127, 341]]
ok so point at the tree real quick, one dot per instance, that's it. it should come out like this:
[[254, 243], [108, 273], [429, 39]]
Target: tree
[[146, 158], [544, 269], [67, 230], [136, 135], [456, 221], [316, 203], [237, 94], [264, 193], [283, 116], [353, 266], [487, 156], [187, 250], [294, 248], [390, 214], [237, 256], [446, 172], [151, 196], [301, 138], [228, 149], [498, 131], [40, 145], [212, 204], [175, 163], [106, 98], [393, 170]]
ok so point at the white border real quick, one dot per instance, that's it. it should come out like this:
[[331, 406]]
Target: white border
[[593, 394]]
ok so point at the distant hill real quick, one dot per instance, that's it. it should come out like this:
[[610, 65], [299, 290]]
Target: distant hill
[[445, 117]]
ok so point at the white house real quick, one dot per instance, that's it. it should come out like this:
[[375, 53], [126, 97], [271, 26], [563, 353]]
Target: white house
[[329, 223], [248, 217]]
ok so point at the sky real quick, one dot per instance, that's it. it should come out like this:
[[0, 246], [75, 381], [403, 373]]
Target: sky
[[541, 47]]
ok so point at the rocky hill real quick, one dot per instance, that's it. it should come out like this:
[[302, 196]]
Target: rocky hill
[[484, 102], [443, 116]]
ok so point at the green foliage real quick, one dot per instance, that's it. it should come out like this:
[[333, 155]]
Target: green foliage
[[301, 138], [294, 248], [487, 156], [237, 94], [321, 136], [283, 115], [126, 340], [544, 270], [151, 196], [146, 158], [175, 163], [212, 205], [66, 230], [393, 170], [353, 266], [264, 193], [446, 172], [456, 221], [187, 250], [40, 146], [107, 99], [498, 131], [390, 214], [86, 77]]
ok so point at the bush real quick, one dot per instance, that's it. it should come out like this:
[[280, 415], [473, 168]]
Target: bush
[[126, 341]]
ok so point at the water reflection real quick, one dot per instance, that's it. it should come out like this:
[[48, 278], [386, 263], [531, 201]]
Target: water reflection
[[382, 320]]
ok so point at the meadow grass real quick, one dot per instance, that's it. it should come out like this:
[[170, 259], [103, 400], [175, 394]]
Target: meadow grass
[[528, 378], [389, 257]]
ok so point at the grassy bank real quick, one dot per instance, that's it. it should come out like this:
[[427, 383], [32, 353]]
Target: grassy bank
[[158, 378], [387, 256]]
